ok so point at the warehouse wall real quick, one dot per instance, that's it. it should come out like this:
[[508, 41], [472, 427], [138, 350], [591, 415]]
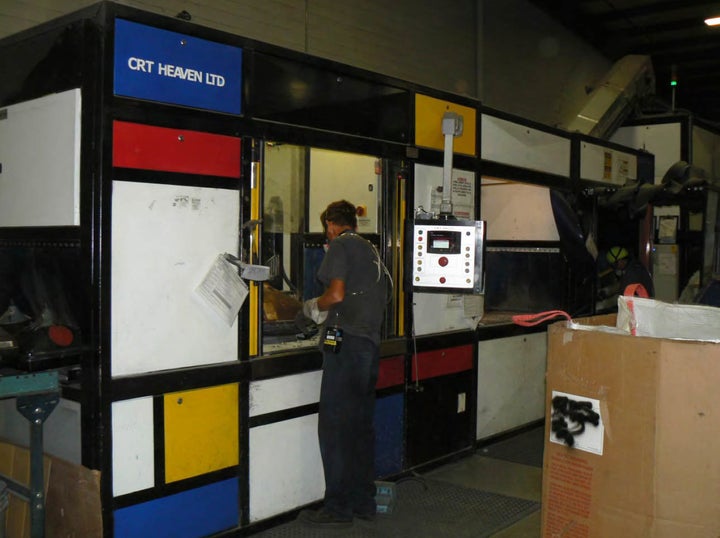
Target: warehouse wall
[[506, 52], [533, 67]]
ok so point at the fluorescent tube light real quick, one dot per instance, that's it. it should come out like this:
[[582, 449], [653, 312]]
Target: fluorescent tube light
[[713, 21]]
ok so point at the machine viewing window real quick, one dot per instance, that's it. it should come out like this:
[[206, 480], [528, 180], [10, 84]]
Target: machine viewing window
[[299, 182], [43, 306]]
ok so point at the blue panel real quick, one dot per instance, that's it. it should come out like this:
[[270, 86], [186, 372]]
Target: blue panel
[[312, 258], [190, 514], [159, 65], [389, 430]]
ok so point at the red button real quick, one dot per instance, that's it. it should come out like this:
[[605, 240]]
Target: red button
[[443, 261], [442, 280]]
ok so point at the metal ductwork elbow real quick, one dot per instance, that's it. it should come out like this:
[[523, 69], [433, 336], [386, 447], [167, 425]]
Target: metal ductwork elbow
[[631, 78]]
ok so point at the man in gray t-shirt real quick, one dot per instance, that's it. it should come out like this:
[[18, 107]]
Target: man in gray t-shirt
[[352, 308], [354, 260]]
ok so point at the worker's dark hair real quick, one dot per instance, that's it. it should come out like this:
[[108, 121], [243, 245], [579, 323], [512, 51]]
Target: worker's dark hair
[[341, 212], [323, 221]]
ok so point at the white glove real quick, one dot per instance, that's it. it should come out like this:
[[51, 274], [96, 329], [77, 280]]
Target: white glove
[[311, 311]]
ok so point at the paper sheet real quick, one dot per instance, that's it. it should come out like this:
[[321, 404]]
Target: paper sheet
[[222, 290]]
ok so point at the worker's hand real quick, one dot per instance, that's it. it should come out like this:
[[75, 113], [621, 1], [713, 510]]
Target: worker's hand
[[311, 311]]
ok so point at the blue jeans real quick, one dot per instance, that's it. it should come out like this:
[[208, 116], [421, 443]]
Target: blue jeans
[[345, 426]]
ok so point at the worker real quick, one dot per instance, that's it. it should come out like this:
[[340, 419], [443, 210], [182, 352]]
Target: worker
[[352, 310], [626, 270]]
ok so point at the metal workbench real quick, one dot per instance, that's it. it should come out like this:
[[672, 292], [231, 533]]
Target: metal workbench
[[37, 395]]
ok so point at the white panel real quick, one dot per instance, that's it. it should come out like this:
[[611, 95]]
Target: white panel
[[132, 445], [511, 383], [517, 212], [164, 240], [662, 140], [336, 176], [666, 268], [599, 163], [285, 467], [40, 158], [518, 145], [709, 246], [62, 435], [270, 395], [440, 312], [704, 147]]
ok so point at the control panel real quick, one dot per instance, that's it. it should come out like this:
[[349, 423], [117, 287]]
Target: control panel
[[447, 256]]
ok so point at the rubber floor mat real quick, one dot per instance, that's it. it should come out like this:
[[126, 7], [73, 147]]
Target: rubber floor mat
[[427, 508]]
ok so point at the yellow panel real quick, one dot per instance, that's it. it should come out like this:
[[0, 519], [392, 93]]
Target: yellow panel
[[428, 124], [254, 296], [201, 431], [401, 273]]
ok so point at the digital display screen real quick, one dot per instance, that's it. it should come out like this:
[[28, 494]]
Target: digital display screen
[[443, 242]]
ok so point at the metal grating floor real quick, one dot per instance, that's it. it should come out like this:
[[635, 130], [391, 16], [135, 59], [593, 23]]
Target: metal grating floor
[[427, 508]]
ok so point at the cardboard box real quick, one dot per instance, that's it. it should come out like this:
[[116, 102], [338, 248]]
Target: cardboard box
[[651, 466], [73, 506]]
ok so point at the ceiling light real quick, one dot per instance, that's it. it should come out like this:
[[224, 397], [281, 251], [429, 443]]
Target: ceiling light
[[713, 22]]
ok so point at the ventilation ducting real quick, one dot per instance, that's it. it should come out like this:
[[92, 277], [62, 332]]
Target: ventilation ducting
[[631, 78]]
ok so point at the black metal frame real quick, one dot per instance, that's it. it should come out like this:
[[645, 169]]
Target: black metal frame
[[93, 74]]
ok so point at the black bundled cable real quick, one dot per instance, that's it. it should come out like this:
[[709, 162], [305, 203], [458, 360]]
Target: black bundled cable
[[559, 427], [577, 412]]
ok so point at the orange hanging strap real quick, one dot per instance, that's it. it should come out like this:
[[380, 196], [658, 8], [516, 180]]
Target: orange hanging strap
[[636, 290], [530, 320]]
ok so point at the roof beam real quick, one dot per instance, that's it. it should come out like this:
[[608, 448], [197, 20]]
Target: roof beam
[[654, 8]]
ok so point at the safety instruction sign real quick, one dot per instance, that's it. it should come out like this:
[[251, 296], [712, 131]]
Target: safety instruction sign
[[159, 65]]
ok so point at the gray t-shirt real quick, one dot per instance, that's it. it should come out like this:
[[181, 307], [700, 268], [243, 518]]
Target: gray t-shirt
[[354, 260]]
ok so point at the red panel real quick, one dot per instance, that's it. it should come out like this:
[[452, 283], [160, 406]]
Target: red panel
[[175, 150], [392, 372], [442, 362]]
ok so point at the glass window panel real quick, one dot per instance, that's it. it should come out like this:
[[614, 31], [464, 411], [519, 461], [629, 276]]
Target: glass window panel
[[293, 240]]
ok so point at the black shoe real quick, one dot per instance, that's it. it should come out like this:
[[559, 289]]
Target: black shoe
[[324, 518]]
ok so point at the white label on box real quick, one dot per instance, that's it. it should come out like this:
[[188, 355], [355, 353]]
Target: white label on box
[[578, 414]]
